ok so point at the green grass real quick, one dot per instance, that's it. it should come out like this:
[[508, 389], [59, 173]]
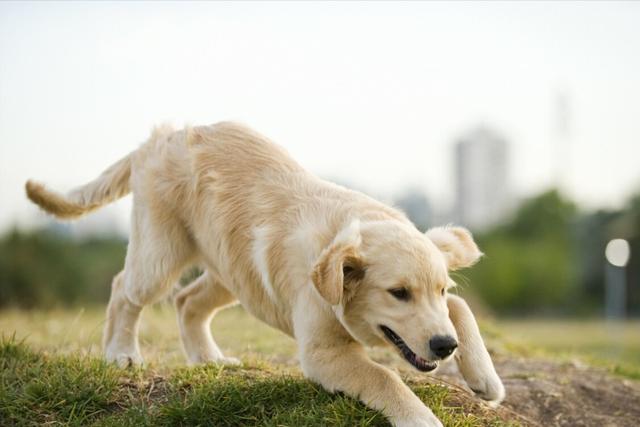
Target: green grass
[[39, 388], [612, 345], [52, 373], [79, 331], [36, 389]]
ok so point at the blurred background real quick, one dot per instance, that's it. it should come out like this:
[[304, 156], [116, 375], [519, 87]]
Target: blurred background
[[520, 121]]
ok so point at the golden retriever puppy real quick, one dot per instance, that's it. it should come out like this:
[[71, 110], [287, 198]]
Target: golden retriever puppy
[[328, 266]]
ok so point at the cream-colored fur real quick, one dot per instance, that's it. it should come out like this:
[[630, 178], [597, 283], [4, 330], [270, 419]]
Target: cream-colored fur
[[308, 257]]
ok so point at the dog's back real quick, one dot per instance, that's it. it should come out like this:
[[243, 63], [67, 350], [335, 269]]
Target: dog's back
[[226, 196]]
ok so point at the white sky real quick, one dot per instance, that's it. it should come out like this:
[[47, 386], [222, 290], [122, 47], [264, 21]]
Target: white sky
[[370, 93]]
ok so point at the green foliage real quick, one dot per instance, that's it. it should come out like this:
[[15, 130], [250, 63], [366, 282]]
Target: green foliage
[[549, 258], [531, 260], [548, 213], [44, 269]]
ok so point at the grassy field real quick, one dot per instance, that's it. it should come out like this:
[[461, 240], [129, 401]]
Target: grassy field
[[51, 373], [37, 388], [79, 330], [614, 345]]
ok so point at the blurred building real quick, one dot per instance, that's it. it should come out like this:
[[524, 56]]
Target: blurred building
[[482, 179], [416, 205]]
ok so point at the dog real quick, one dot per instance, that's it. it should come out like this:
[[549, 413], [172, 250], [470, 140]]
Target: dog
[[333, 268]]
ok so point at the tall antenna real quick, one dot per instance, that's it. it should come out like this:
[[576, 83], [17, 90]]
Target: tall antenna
[[561, 137]]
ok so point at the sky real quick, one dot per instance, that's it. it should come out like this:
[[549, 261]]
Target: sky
[[372, 94]]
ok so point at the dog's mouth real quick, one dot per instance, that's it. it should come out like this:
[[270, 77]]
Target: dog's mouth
[[418, 362]]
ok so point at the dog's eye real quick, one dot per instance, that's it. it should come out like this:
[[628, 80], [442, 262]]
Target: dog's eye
[[443, 291], [401, 293]]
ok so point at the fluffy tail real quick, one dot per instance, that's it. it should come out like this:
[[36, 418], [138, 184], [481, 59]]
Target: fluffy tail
[[111, 185]]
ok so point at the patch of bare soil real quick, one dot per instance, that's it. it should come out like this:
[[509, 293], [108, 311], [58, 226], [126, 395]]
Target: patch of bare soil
[[547, 393]]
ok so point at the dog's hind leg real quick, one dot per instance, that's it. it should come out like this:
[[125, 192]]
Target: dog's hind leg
[[196, 305], [155, 257], [120, 340]]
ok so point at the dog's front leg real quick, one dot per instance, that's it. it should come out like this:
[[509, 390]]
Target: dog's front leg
[[346, 367], [472, 356]]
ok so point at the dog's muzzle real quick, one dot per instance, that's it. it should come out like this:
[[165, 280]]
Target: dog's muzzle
[[443, 345], [418, 362]]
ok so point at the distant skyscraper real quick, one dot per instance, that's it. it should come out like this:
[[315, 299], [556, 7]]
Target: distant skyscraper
[[482, 193], [416, 205]]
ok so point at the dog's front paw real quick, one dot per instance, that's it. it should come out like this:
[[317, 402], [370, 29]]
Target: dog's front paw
[[227, 361], [420, 423], [490, 389], [426, 420], [213, 359]]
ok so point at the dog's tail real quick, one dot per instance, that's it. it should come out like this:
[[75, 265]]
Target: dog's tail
[[111, 185]]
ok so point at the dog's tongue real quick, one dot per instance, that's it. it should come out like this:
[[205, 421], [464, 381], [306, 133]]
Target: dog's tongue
[[424, 365]]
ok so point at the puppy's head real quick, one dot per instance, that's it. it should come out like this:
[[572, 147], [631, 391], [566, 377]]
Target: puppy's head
[[387, 283]]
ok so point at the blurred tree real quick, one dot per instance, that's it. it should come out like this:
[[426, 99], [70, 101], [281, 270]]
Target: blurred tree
[[633, 269], [42, 268], [531, 262], [592, 238], [595, 231], [547, 258]]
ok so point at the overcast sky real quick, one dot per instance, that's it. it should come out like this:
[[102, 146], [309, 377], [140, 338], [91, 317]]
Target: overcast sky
[[370, 93]]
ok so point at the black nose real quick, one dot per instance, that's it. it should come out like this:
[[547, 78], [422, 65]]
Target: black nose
[[442, 345]]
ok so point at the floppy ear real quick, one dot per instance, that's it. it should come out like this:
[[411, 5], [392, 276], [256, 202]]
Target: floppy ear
[[339, 265], [457, 245]]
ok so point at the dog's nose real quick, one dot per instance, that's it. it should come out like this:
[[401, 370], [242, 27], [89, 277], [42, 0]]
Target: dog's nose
[[442, 345]]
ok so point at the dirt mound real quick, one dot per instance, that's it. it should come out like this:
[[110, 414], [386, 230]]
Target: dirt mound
[[548, 393], [569, 394]]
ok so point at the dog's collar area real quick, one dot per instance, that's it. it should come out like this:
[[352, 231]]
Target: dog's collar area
[[418, 362]]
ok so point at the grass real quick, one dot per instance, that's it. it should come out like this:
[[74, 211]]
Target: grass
[[52, 373], [613, 345], [79, 331], [39, 388], [36, 389]]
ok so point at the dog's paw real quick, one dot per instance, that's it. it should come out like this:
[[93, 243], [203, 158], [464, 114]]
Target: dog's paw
[[426, 420], [434, 422], [227, 361], [490, 389], [124, 361]]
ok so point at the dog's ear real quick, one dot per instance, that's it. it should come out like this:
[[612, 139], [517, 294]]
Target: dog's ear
[[339, 265], [457, 245]]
